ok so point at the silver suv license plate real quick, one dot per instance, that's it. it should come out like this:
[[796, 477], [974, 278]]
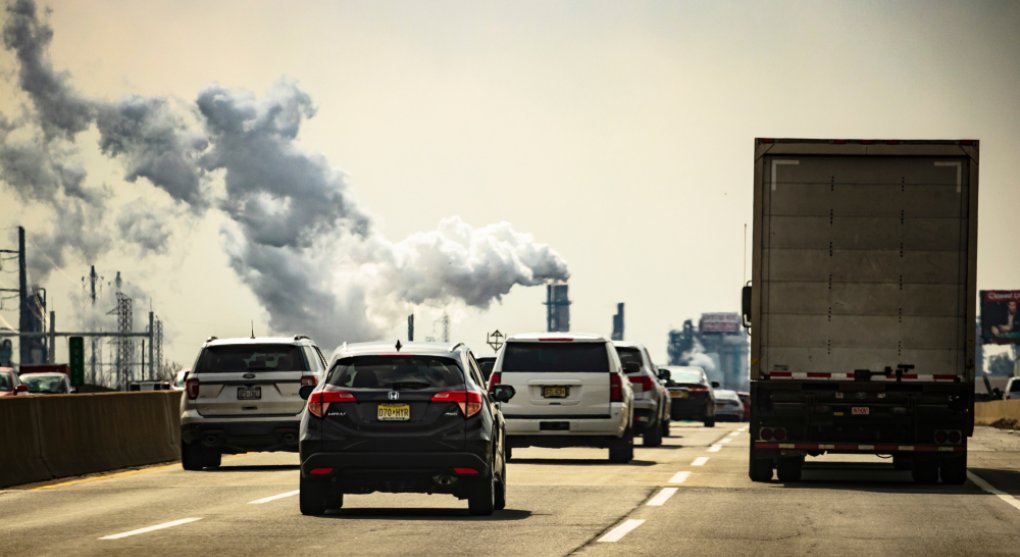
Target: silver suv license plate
[[249, 393]]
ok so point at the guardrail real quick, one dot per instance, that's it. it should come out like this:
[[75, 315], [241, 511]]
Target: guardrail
[[45, 437], [1002, 413]]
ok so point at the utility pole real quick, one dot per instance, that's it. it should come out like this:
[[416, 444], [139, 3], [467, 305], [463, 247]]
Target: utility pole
[[24, 313]]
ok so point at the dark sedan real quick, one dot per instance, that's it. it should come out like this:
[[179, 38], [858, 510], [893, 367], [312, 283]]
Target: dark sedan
[[691, 393]]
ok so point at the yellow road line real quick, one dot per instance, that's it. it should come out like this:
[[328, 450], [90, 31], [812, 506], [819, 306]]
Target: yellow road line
[[102, 476]]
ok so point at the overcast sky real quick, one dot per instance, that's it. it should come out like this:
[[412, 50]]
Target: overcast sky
[[619, 134]]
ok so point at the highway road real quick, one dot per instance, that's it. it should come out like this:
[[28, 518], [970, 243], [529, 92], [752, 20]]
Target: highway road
[[689, 497]]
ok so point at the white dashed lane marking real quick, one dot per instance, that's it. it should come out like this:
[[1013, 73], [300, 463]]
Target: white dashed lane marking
[[617, 534], [700, 461], [152, 528], [661, 497], [680, 477], [714, 448], [274, 497]]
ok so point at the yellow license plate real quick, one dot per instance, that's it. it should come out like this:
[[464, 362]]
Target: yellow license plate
[[393, 412], [554, 392], [678, 394]]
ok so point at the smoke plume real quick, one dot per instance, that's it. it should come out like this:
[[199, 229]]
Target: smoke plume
[[294, 235]]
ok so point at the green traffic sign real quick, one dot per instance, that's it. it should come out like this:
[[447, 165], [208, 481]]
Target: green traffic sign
[[76, 358]]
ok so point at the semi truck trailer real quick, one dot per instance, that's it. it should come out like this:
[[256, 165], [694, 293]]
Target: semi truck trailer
[[861, 304]]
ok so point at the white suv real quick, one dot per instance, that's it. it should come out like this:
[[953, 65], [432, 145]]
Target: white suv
[[571, 391], [243, 395]]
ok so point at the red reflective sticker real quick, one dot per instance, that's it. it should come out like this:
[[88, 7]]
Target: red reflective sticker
[[860, 410]]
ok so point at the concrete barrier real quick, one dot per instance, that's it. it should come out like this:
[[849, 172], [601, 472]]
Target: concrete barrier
[[999, 412], [43, 437]]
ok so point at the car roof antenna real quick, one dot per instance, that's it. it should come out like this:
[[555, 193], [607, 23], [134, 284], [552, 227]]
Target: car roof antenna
[[398, 345], [253, 329]]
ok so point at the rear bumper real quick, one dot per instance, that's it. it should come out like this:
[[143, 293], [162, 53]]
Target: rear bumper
[[612, 424], [562, 441], [397, 472], [241, 436], [646, 414], [691, 409]]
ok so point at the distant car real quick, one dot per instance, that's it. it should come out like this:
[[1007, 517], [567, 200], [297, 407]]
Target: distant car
[[651, 399], [571, 392], [50, 383], [691, 393], [728, 406], [745, 398], [243, 395], [415, 418], [1012, 390], [10, 385], [485, 363], [179, 379]]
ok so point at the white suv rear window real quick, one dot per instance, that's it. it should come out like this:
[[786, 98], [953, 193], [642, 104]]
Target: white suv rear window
[[558, 356], [251, 358]]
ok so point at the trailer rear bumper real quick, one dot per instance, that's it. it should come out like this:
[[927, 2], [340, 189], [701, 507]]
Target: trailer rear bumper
[[868, 448]]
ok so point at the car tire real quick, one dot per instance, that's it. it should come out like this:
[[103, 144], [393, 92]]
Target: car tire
[[621, 451], [311, 497], [665, 427], [759, 469], [710, 422], [788, 468], [652, 437], [482, 496], [197, 457], [954, 469], [507, 451], [333, 498], [213, 458], [500, 496]]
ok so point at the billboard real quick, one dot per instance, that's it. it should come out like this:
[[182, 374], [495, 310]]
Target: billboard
[[1000, 320], [719, 323]]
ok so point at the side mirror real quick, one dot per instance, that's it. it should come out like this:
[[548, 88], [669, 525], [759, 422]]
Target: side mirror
[[305, 391], [631, 367], [715, 384], [745, 306], [503, 393], [663, 375]]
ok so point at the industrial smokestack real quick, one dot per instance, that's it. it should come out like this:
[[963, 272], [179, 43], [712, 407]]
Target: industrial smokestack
[[618, 322], [557, 311]]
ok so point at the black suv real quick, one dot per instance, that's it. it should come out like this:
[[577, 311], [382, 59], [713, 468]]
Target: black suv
[[414, 418]]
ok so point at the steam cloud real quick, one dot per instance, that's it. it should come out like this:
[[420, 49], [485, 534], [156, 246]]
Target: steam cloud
[[296, 238]]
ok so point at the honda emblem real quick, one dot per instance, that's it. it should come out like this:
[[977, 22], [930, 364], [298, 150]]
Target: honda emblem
[[393, 395]]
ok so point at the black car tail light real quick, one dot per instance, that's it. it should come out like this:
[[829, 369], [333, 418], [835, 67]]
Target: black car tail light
[[469, 402]]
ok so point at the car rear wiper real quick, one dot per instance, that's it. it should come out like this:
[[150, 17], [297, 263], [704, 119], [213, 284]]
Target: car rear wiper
[[399, 385]]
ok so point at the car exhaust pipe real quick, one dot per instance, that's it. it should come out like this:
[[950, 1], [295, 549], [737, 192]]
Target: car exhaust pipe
[[444, 480]]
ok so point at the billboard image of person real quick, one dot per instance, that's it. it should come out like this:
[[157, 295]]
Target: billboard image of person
[[1000, 320]]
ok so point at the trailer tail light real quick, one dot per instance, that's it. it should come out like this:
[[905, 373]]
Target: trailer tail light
[[469, 402], [948, 437], [494, 380], [318, 403], [941, 437], [309, 381], [643, 380], [955, 436], [765, 434], [191, 387], [772, 434], [615, 388], [779, 434]]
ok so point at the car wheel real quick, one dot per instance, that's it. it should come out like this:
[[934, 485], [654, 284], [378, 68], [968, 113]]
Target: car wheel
[[507, 451], [500, 501], [954, 470], [622, 450], [213, 458], [333, 498], [311, 497], [789, 468], [482, 496], [652, 437], [191, 457], [665, 427], [710, 422]]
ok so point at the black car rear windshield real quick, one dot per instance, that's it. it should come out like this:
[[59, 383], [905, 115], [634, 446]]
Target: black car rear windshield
[[548, 356], [397, 373], [251, 358], [686, 376]]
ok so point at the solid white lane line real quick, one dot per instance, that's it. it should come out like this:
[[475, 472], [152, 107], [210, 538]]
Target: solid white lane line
[[680, 477], [152, 528], [714, 448], [617, 534], [980, 482], [700, 461], [661, 497], [274, 497]]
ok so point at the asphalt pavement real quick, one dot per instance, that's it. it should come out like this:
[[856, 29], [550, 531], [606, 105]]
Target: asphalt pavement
[[689, 497]]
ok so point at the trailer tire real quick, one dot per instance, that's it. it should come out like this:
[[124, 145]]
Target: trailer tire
[[788, 468], [954, 469], [759, 469]]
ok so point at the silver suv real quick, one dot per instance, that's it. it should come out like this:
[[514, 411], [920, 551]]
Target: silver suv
[[571, 391], [243, 395], [651, 399]]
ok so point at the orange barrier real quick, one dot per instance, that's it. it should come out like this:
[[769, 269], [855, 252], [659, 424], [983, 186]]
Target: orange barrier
[[43, 437]]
